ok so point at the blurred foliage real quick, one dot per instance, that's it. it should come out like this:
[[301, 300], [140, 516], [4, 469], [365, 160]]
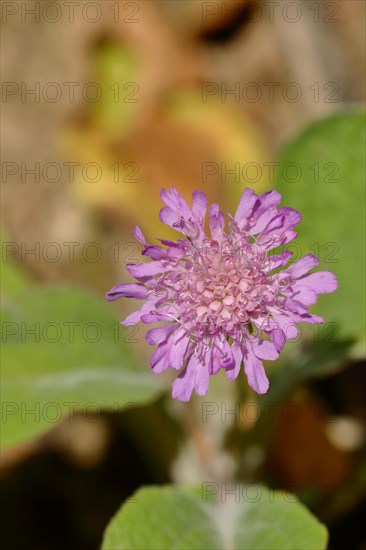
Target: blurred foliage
[[116, 70], [64, 351], [309, 360], [13, 279], [321, 174], [212, 146], [189, 518]]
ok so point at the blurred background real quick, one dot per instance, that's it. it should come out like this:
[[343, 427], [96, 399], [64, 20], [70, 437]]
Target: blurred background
[[103, 104]]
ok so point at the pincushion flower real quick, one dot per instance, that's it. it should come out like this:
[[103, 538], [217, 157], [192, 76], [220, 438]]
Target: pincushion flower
[[225, 298]]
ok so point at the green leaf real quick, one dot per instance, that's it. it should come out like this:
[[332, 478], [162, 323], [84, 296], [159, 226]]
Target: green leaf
[[63, 350], [322, 175], [12, 278], [184, 517]]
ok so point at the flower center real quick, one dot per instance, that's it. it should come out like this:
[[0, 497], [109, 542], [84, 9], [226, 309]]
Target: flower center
[[221, 289]]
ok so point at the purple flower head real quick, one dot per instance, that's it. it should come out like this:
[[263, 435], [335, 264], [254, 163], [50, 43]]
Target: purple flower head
[[225, 299]]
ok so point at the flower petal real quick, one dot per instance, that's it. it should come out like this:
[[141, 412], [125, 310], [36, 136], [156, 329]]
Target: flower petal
[[135, 317], [232, 373], [221, 356], [145, 270], [245, 207], [194, 376], [214, 364], [310, 318], [139, 235], [264, 349], [227, 359], [285, 322], [199, 205], [268, 199], [169, 217], [255, 372], [127, 290], [277, 260], [178, 342], [159, 360], [176, 202], [321, 282], [201, 379], [278, 338], [158, 335], [155, 252], [303, 295], [291, 217], [291, 305], [266, 204], [270, 241], [217, 222], [302, 266], [183, 385], [261, 221], [163, 314]]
